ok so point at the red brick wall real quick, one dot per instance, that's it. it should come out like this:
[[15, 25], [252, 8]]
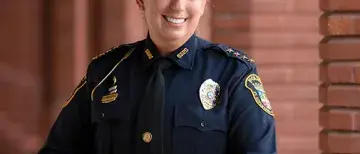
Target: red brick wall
[[282, 37], [40, 63], [340, 77]]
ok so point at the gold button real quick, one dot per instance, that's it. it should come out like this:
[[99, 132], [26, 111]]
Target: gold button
[[147, 137]]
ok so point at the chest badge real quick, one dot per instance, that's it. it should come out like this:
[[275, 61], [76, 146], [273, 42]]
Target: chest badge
[[112, 93], [209, 94]]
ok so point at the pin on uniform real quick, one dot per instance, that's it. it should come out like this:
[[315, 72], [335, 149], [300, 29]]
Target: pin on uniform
[[112, 93]]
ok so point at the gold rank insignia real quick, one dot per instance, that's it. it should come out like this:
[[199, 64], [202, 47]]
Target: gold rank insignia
[[182, 53], [254, 84], [149, 54], [112, 93], [209, 94]]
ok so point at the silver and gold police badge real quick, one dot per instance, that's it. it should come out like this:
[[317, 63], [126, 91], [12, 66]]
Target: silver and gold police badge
[[209, 94]]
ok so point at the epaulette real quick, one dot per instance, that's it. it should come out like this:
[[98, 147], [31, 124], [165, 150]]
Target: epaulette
[[106, 52], [231, 52], [238, 54], [121, 47]]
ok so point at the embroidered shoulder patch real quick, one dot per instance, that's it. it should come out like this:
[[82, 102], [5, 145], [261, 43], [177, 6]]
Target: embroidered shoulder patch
[[254, 84], [81, 84]]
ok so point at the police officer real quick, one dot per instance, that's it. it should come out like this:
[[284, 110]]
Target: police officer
[[171, 93]]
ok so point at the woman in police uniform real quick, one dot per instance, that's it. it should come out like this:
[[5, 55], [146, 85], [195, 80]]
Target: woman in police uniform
[[171, 93]]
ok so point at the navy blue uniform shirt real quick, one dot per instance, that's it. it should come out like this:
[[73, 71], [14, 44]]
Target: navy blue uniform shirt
[[215, 103]]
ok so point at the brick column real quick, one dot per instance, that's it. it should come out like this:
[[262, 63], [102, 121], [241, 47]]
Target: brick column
[[340, 77]]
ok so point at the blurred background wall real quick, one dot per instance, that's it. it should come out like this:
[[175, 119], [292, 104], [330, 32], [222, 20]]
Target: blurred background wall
[[46, 45]]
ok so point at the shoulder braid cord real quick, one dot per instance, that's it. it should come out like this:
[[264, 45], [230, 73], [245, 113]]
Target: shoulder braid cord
[[116, 65]]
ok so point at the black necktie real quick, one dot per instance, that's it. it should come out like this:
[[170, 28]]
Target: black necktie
[[150, 113]]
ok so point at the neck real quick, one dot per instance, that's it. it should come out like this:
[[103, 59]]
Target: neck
[[165, 47]]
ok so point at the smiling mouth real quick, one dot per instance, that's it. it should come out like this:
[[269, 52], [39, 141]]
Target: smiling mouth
[[174, 20]]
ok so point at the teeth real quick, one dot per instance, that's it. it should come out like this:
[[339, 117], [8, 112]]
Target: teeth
[[174, 20]]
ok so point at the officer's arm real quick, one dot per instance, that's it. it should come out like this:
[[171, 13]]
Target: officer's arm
[[252, 125], [71, 132]]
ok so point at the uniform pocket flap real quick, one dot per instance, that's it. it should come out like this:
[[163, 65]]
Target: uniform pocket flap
[[201, 120], [113, 111]]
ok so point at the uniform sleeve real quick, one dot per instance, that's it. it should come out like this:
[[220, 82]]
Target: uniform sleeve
[[252, 124], [71, 133]]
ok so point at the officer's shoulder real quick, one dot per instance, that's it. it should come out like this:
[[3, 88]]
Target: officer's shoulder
[[230, 53], [115, 52], [104, 62]]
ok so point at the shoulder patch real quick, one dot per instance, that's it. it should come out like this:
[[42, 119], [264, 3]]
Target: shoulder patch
[[104, 53], [81, 84], [254, 84]]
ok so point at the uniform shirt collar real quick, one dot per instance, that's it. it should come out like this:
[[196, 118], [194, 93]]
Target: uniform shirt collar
[[183, 56]]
